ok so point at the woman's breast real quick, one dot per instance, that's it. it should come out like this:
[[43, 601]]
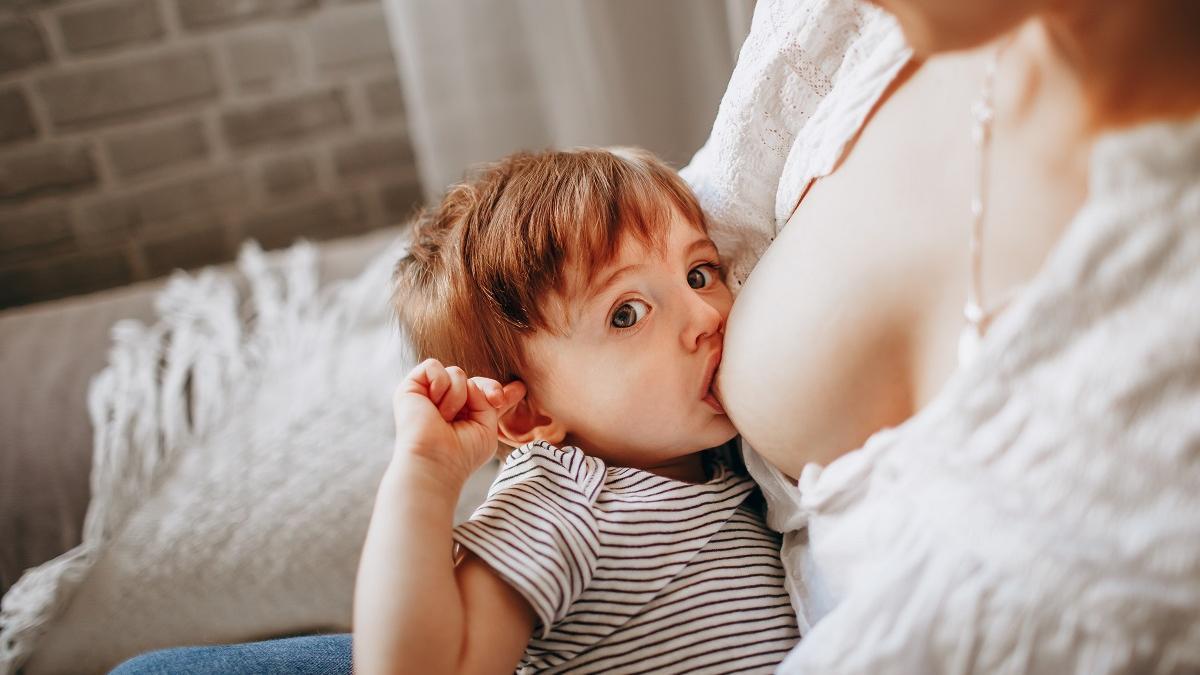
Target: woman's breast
[[819, 348], [850, 318]]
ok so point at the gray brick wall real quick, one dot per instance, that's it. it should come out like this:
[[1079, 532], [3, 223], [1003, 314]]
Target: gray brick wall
[[142, 136]]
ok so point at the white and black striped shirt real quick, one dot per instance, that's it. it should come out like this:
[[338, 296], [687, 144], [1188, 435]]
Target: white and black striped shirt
[[632, 572]]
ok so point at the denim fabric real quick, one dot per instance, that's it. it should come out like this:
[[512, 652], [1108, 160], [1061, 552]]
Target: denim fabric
[[308, 655]]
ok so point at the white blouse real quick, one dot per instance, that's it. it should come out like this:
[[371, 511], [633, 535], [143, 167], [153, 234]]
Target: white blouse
[[1042, 513]]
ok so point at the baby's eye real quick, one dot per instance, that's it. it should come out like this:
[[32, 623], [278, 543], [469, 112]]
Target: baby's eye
[[628, 314], [702, 276]]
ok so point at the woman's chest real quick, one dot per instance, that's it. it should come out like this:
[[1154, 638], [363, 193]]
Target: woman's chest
[[896, 216], [887, 232], [872, 266]]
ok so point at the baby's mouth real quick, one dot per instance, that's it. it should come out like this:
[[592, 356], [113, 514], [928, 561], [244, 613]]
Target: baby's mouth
[[712, 401], [709, 393]]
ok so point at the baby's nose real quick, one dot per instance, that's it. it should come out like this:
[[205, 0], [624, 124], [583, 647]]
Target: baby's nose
[[706, 325]]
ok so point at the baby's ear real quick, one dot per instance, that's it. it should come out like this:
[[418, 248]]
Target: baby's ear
[[524, 421]]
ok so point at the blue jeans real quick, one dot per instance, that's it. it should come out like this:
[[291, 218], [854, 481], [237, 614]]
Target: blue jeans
[[308, 655]]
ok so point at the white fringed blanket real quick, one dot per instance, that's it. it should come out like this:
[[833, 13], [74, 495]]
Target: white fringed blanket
[[239, 441]]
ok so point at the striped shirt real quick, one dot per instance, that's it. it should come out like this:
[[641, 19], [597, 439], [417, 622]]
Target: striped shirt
[[632, 572]]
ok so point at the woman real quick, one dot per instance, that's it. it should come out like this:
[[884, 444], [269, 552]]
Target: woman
[[1031, 510], [1035, 510]]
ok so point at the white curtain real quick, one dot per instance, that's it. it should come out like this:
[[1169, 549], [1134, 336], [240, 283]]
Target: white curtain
[[483, 78]]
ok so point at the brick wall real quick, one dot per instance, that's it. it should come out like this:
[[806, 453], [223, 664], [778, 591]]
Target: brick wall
[[140, 136]]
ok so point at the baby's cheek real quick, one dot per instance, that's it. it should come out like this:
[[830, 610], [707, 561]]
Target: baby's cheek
[[656, 415]]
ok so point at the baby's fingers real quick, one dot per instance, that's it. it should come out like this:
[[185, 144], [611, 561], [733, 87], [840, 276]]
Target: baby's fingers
[[492, 391], [456, 394], [479, 407], [429, 379]]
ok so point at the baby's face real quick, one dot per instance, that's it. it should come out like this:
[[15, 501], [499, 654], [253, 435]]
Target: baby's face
[[631, 377]]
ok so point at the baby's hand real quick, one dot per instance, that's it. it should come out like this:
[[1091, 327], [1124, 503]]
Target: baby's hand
[[448, 419]]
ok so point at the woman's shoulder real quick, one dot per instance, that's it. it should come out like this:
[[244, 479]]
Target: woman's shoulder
[[796, 55], [790, 21], [805, 48]]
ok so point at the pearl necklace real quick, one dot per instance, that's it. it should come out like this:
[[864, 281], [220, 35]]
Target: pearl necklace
[[975, 313]]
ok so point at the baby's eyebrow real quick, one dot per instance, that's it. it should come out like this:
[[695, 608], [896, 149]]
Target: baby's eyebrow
[[698, 244], [596, 291]]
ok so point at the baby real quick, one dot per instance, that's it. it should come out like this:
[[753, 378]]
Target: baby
[[615, 538]]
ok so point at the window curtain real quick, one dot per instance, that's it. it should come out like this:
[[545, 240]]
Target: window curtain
[[484, 78]]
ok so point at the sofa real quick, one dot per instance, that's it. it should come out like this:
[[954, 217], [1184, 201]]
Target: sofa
[[242, 520]]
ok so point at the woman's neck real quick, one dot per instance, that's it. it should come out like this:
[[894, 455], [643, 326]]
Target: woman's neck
[[1135, 60], [1041, 104]]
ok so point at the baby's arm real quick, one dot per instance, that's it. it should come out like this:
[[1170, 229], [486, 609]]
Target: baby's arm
[[414, 611]]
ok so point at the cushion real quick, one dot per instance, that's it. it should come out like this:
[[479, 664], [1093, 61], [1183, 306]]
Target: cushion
[[239, 442], [51, 350]]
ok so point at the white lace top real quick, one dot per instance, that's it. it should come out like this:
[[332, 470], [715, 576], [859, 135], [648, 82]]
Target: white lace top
[[1042, 513]]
